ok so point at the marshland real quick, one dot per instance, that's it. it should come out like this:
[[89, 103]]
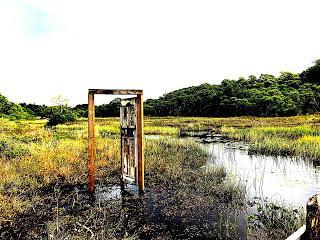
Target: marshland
[[206, 117], [200, 179]]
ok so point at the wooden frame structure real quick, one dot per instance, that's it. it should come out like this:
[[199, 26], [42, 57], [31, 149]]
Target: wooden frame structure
[[91, 133]]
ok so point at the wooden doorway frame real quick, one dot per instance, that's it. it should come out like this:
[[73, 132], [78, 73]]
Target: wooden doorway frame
[[91, 132]]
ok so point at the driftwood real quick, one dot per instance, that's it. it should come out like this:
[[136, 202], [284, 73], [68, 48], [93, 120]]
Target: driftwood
[[313, 218]]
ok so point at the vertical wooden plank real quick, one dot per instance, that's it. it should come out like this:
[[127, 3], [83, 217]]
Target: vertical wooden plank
[[140, 142], [91, 142]]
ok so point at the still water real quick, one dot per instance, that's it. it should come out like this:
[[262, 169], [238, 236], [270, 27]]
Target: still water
[[277, 179]]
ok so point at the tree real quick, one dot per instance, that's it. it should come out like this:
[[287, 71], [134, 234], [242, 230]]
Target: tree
[[17, 112], [4, 105], [312, 74], [61, 113]]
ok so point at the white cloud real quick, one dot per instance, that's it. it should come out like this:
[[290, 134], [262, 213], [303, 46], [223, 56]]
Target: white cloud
[[155, 45]]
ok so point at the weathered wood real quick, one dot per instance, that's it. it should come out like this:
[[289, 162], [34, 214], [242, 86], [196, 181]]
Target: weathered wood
[[140, 142], [116, 91], [91, 142], [128, 124], [313, 218]]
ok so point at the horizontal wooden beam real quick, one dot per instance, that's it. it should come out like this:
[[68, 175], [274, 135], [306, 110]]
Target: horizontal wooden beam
[[116, 91]]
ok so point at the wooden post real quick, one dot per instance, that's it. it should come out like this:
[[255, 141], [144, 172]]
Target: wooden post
[[140, 142], [91, 142], [313, 218]]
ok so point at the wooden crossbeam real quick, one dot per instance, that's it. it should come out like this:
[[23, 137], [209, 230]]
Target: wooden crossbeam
[[116, 91]]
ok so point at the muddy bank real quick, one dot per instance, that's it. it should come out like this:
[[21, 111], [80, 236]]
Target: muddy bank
[[66, 211]]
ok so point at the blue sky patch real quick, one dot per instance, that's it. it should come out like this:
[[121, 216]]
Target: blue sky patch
[[36, 21]]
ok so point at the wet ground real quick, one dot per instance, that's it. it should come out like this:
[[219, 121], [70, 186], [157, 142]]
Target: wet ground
[[65, 211]]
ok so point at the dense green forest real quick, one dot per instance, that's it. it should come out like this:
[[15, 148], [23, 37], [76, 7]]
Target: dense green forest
[[286, 95], [266, 95]]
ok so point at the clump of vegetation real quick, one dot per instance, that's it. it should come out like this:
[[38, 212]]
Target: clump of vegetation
[[278, 220], [163, 130], [107, 131], [61, 116], [298, 141], [61, 113]]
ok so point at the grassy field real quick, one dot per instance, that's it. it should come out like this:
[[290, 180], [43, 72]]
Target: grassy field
[[41, 165]]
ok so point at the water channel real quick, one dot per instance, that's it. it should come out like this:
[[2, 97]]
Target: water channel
[[276, 179]]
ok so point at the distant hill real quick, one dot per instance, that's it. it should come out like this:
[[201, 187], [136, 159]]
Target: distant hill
[[289, 94]]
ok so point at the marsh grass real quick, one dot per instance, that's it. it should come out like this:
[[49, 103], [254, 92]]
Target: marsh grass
[[206, 123], [32, 157], [299, 141], [278, 219]]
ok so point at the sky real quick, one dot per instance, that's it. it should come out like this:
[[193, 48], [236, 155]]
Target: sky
[[65, 47]]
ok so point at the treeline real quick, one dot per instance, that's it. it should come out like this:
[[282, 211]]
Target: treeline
[[286, 95], [28, 111], [12, 110], [56, 114], [266, 95]]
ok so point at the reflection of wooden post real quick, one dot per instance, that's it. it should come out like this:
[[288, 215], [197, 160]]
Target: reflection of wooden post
[[313, 218], [91, 141], [140, 142]]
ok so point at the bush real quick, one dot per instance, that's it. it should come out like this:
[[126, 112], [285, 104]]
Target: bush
[[60, 117]]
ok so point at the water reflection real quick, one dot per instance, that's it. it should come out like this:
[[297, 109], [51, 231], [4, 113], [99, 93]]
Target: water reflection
[[275, 178]]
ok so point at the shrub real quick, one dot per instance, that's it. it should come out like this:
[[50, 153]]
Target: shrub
[[65, 115]]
